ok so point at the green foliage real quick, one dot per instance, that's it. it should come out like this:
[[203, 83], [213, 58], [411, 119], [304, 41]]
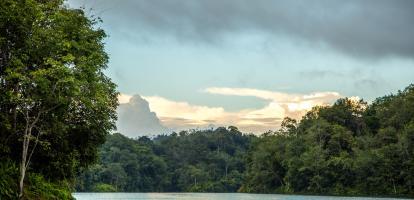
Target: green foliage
[[39, 188], [53, 76], [349, 148], [102, 187], [194, 161], [8, 175], [54, 96]]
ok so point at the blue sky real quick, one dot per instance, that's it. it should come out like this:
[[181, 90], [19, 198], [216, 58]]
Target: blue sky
[[172, 52]]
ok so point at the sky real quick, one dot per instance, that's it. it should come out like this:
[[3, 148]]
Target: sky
[[195, 64]]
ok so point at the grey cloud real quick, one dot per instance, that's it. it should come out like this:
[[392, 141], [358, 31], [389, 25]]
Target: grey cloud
[[367, 83], [371, 86], [319, 74], [369, 28], [135, 119]]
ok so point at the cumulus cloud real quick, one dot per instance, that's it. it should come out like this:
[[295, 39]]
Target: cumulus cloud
[[372, 28], [124, 98], [136, 119], [183, 115], [288, 105]]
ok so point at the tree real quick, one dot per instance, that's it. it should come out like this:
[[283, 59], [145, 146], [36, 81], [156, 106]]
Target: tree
[[288, 126], [52, 84]]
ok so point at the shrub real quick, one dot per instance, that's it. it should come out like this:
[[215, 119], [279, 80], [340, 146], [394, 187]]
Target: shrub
[[103, 187], [39, 188], [8, 176]]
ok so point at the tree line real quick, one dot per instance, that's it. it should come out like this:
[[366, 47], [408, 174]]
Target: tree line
[[348, 148], [190, 161]]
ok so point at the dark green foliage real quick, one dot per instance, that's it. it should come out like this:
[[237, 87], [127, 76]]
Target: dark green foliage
[[194, 161], [37, 186], [102, 187], [56, 104], [8, 176], [349, 148]]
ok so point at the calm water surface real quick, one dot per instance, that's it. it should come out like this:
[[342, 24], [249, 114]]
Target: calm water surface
[[207, 196]]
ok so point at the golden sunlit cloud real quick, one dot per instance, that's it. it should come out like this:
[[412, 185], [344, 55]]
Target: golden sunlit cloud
[[183, 115], [124, 98]]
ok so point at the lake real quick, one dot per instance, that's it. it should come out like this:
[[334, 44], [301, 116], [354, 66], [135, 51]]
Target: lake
[[207, 196]]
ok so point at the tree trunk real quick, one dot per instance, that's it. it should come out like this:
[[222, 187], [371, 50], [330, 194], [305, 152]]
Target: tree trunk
[[393, 184], [24, 162], [26, 143]]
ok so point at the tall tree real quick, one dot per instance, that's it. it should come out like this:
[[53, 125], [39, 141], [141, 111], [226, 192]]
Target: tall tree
[[52, 85]]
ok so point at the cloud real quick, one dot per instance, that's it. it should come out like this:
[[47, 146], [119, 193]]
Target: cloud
[[136, 119], [280, 104], [178, 115], [124, 98], [320, 74], [262, 94], [274, 96], [370, 28]]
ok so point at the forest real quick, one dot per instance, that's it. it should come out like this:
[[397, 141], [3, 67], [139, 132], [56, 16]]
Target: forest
[[348, 148]]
